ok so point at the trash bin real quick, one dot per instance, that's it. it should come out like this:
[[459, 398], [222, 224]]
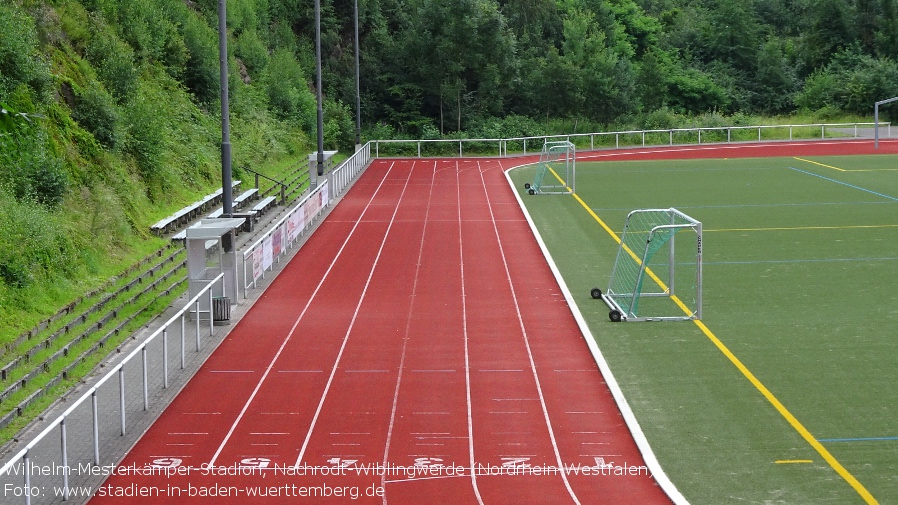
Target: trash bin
[[221, 309]]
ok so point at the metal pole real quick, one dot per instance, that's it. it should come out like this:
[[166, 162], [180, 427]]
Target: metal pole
[[358, 99], [93, 403], [121, 389], [226, 183], [320, 158], [146, 395], [65, 461], [27, 461], [198, 324], [183, 330], [165, 358], [876, 126]]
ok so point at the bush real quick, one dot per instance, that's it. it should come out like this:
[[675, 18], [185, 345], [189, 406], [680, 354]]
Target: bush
[[852, 82], [96, 111], [20, 59], [201, 74], [146, 136], [33, 243], [29, 168], [113, 59], [288, 91], [339, 126], [252, 51]]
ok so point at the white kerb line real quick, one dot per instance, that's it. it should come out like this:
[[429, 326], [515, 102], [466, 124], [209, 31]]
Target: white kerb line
[[293, 329], [539, 389], [330, 379]]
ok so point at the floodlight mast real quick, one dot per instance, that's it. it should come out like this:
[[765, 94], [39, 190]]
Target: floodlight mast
[[320, 158], [876, 119], [358, 99], [227, 196]]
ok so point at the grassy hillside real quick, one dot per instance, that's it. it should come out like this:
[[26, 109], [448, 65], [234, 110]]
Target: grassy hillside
[[111, 121]]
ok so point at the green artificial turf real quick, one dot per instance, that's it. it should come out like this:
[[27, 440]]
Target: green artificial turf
[[800, 284]]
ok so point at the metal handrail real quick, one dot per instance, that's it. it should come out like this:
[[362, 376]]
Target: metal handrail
[[502, 143], [59, 423]]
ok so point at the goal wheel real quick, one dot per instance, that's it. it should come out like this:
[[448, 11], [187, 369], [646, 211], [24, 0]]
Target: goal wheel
[[615, 316], [531, 191], [596, 293], [526, 185]]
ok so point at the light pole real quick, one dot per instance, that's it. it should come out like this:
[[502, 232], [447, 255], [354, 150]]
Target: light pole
[[227, 196], [320, 158], [358, 99]]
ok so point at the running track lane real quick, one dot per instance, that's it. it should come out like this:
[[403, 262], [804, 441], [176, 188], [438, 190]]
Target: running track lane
[[419, 329]]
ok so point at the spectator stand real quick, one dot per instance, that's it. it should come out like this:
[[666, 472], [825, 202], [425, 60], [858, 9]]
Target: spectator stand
[[189, 213]]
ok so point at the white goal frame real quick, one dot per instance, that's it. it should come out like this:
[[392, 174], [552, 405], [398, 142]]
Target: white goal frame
[[564, 153], [622, 302]]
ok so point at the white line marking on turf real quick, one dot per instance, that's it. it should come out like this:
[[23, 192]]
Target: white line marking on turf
[[539, 389], [355, 315], [277, 355]]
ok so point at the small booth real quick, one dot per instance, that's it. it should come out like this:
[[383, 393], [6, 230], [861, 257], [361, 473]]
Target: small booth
[[313, 167], [212, 250]]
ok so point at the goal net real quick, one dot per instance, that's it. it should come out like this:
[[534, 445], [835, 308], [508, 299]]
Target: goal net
[[657, 274], [556, 170]]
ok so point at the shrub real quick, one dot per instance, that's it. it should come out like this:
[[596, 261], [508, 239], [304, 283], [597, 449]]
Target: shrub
[[33, 243], [20, 59], [288, 91], [113, 60], [97, 112], [252, 51], [201, 74]]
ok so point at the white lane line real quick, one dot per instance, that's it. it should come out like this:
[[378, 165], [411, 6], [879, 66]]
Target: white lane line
[[302, 314], [539, 389], [464, 310], [405, 339], [355, 315]]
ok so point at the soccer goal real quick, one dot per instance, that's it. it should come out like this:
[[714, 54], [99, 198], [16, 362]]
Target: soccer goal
[[657, 275], [556, 171]]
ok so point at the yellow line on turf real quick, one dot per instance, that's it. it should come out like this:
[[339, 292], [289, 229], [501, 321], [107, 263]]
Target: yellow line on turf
[[790, 461], [632, 254], [793, 228], [847, 169], [821, 164], [793, 421]]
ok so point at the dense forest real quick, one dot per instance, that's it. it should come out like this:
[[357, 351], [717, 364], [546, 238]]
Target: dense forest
[[109, 109]]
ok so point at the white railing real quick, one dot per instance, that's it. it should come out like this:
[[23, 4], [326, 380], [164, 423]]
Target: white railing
[[179, 323], [268, 249], [632, 138]]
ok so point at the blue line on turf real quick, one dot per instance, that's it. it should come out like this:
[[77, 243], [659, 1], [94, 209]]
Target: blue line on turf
[[845, 184], [867, 439]]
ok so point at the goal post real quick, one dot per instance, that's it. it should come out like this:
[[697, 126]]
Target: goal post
[[657, 274], [556, 171]]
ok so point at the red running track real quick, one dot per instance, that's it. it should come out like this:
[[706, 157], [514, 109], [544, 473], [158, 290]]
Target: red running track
[[417, 349]]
